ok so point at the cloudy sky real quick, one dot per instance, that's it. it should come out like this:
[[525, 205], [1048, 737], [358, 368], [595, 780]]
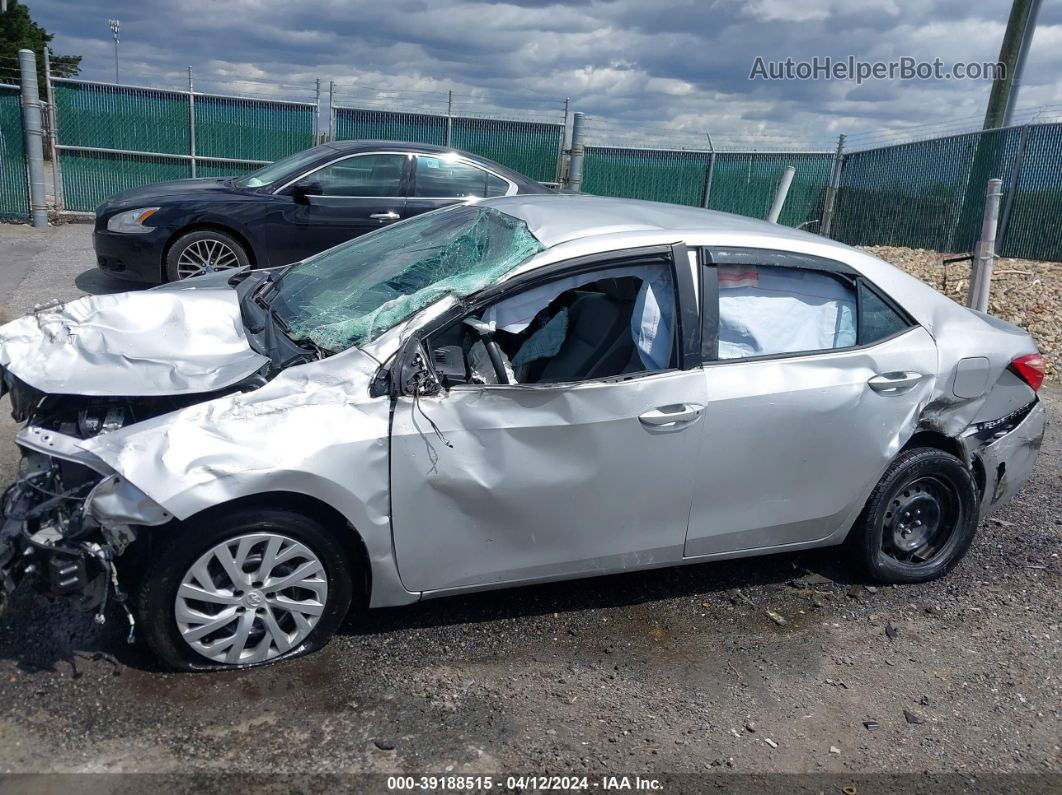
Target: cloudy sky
[[646, 65]]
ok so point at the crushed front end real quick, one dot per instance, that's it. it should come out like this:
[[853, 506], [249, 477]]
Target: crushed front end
[[68, 516]]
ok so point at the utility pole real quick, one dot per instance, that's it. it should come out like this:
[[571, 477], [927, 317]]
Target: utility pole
[[1011, 54], [116, 26]]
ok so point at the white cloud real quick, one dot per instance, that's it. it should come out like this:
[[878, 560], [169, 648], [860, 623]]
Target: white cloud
[[667, 65]]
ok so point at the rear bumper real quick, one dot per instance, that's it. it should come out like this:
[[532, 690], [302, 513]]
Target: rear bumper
[[1008, 457]]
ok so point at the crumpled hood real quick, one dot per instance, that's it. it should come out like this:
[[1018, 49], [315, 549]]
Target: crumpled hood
[[182, 338]]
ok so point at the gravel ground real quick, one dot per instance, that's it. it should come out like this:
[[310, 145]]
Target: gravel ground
[[671, 671]]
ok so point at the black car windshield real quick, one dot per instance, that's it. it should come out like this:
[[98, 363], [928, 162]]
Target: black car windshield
[[288, 167], [352, 293]]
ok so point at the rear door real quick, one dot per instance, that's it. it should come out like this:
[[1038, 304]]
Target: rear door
[[444, 179], [813, 378], [359, 193]]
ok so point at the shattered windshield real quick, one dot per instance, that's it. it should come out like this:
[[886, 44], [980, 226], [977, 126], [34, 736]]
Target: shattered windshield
[[350, 294]]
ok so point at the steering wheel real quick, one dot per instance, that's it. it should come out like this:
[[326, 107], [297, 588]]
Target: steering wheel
[[494, 351]]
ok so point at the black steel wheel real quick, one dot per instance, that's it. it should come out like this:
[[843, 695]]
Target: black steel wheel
[[919, 520]]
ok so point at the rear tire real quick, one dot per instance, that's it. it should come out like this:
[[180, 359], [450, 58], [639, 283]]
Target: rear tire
[[919, 521], [211, 590], [204, 251]]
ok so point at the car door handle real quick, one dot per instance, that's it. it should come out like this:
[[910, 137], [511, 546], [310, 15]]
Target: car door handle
[[390, 215], [672, 417], [894, 383]]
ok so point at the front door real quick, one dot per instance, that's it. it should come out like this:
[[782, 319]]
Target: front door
[[584, 466], [358, 194]]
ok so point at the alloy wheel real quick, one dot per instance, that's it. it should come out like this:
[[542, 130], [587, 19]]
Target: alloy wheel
[[205, 256], [251, 598]]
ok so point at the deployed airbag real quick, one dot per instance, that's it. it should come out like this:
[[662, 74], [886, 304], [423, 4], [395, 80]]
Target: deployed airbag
[[767, 310]]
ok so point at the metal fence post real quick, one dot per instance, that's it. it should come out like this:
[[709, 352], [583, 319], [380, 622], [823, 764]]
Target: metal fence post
[[53, 135], [563, 142], [575, 162], [709, 173], [779, 196], [317, 111], [1012, 188], [34, 137], [331, 110], [985, 253], [191, 120], [449, 115], [832, 186]]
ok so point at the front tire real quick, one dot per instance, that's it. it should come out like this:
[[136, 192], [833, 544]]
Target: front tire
[[204, 251], [248, 587], [919, 521]]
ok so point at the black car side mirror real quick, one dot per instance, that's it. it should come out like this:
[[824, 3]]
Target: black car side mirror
[[306, 187], [412, 373]]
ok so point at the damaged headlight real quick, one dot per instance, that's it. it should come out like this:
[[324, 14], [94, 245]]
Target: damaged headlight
[[132, 221]]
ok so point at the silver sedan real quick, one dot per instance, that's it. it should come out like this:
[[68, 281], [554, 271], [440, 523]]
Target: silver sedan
[[523, 389]]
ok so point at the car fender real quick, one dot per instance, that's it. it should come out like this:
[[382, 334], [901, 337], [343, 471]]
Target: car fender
[[313, 430]]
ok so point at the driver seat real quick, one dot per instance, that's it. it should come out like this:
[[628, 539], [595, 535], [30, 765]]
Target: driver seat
[[599, 341]]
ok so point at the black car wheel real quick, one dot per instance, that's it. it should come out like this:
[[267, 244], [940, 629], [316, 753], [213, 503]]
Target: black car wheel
[[205, 251], [919, 521], [247, 587]]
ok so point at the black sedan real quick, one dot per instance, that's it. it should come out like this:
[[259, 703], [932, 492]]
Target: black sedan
[[287, 210]]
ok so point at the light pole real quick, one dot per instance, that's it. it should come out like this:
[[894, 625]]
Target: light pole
[[115, 27]]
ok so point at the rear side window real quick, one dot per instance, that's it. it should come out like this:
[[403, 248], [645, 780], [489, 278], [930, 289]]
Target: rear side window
[[439, 178], [767, 310], [877, 320]]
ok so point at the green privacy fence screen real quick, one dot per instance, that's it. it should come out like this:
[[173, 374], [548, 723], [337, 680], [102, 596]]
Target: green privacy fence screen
[[529, 147], [1032, 223], [14, 193], [742, 182], [926, 194], [111, 138], [251, 129], [745, 183], [930, 194]]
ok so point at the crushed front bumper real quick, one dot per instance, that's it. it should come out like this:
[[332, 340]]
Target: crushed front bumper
[[65, 521], [1008, 453]]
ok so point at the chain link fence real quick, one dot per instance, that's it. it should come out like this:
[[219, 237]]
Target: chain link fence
[[930, 194], [923, 194], [14, 190], [531, 146], [114, 137]]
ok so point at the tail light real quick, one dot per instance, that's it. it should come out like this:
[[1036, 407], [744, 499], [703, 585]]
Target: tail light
[[1031, 368]]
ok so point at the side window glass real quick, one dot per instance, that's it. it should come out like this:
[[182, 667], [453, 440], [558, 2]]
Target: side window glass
[[877, 319], [496, 186], [438, 178], [367, 175], [765, 310], [603, 324]]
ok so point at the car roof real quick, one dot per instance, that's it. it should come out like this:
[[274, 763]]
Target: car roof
[[351, 147], [558, 218]]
